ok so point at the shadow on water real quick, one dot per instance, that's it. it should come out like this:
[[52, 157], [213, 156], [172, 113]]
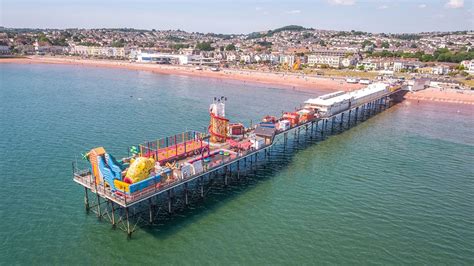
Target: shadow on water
[[279, 158]]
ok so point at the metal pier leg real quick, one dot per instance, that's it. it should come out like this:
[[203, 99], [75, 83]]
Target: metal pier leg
[[129, 232], [225, 175], [186, 194], [150, 209], [356, 113], [325, 127], [113, 213], [169, 201], [349, 119], [238, 169], [342, 121], [86, 200], [332, 124], [202, 186], [99, 214]]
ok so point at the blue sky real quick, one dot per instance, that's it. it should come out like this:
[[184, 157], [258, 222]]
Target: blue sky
[[242, 16]]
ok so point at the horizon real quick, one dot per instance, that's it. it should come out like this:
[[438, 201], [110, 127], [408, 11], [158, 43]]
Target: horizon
[[242, 18], [241, 33]]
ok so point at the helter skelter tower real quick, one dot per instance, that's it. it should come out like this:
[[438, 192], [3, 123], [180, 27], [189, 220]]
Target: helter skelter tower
[[218, 124]]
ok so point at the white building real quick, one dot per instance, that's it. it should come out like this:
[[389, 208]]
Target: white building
[[332, 61], [398, 66], [348, 61], [440, 70], [162, 58], [468, 66], [246, 58], [232, 57], [287, 59], [97, 51], [4, 49], [369, 65]]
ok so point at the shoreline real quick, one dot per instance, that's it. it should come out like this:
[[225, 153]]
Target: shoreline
[[288, 81], [298, 82], [442, 96]]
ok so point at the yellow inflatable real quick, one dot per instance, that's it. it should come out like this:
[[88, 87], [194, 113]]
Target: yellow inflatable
[[139, 169]]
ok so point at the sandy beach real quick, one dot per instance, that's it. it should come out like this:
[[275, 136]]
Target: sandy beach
[[284, 80], [447, 96], [292, 81]]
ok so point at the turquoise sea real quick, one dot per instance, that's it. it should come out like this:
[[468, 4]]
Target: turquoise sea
[[396, 189]]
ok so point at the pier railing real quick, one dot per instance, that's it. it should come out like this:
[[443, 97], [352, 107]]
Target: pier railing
[[86, 179]]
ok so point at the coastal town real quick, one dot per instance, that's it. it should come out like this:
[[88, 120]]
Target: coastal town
[[441, 60], [243, 132]]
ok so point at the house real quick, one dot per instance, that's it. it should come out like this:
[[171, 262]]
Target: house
[[369, 65], [440, 70], [287, 59], [399, 66], [4, 49], [232, 57], [332, 61], [468, 66], [348, 61], [247, 58]]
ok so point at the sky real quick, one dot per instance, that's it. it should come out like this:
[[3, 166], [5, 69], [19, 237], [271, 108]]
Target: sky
[[242, 16]]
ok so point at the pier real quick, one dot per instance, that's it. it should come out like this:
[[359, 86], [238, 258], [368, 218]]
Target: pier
[[188, 165]]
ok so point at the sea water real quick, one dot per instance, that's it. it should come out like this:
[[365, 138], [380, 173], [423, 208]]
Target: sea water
[[396, 189]]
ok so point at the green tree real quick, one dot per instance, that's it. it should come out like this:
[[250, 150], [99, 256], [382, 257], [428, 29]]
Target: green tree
[[42, 38], [230, 47], [204, 46], [366, 43]]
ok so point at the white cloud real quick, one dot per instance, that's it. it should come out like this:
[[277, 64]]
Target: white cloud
[[258, 8], [455, 4], [382, 7], [422, 6], [342, 2], [296, 11]]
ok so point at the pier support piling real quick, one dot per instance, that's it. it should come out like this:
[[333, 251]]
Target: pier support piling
[[169, 201], [349, 119], [129, 232], [86, 199], [202, 186], [113, 213], [150, 209], [186, 194], [342, 121], [99, 213]]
